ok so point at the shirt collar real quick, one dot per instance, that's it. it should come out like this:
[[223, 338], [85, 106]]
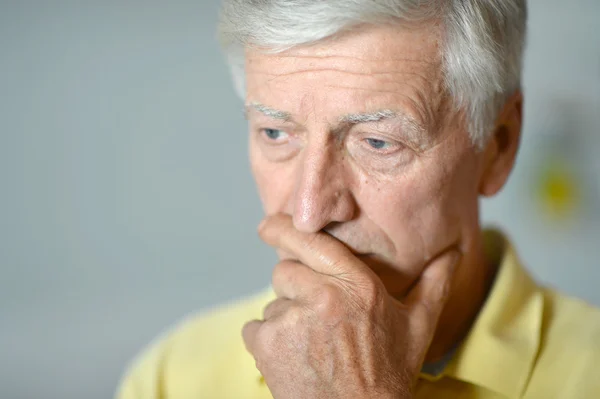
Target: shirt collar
[[501, 347]]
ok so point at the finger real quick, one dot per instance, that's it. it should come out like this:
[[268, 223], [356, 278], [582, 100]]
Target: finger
[[431, 292], [293, 279], [320, 251], [276, 308], [249, 333]]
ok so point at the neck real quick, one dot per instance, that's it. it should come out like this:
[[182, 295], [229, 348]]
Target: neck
[[472, 282]]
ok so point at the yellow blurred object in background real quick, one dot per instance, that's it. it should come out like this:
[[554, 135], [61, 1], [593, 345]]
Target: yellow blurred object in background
[[558, 190]]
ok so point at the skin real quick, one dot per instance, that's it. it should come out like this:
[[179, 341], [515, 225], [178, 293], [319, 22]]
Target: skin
[[377, 223]]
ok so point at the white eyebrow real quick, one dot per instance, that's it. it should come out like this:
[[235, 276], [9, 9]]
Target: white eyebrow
[[368, 117], [270, 112], [350, 118]]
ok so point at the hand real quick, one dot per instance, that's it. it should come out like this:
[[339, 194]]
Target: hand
[[333, 331]]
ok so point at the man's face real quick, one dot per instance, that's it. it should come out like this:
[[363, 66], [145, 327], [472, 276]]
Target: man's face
[[358, 138]]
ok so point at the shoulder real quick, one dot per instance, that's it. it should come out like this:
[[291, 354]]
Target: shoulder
[[191, 357], [569, 349]]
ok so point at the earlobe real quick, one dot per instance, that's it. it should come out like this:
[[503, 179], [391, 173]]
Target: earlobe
[[501, 150]]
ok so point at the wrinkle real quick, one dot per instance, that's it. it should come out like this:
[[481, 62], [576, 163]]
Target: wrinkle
[[426, 79], [369, 60]]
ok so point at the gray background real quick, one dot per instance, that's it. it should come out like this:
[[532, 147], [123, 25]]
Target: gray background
[[126, 201]]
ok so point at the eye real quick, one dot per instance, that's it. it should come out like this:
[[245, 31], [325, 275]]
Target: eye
[[377, 152], [378, 144], [275, 134], [276, 145]]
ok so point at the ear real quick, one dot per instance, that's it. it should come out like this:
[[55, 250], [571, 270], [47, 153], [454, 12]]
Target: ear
[[500, 151]]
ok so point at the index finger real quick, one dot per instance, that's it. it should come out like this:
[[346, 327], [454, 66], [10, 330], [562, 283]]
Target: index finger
[[320, 251]]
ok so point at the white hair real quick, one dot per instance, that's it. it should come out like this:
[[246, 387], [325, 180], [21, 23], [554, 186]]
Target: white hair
[[481, 56]]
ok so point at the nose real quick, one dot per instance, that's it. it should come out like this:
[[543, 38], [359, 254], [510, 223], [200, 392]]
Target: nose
[[323, 194]]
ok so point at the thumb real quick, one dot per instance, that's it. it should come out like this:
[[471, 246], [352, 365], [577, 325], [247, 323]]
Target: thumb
[[432, 290]]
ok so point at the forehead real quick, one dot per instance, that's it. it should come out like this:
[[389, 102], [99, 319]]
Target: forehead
[[371, 67]]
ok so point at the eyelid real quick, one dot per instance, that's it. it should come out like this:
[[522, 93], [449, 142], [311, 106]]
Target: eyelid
[[268, 123], [380, 137], [263, 129], [393, 146], [275, 128]]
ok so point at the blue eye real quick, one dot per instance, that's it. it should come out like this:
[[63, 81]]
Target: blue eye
[[377, 144], [274, 134]]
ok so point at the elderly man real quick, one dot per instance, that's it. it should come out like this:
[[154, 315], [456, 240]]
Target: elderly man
[[375, 127]]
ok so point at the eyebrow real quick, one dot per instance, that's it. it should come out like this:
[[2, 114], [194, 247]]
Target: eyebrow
[[350, 118], [267, 111], [368, 117]]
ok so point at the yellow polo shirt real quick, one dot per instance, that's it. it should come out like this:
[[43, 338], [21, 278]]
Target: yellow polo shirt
[[527, 342]]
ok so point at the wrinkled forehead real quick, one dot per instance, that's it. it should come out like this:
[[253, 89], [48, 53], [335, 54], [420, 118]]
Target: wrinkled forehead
[[368, 45], [367, 69]]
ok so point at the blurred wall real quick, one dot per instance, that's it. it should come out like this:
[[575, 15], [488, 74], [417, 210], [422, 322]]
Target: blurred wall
[[125, 185]]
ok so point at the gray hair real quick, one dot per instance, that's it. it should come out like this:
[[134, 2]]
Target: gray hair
[[481, 57]]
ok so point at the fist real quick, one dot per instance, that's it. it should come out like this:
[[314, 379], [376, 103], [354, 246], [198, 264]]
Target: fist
[[334, 331]]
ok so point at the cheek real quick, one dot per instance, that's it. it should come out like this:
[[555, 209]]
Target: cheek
[[422, 212], [275, 182], [404, 212]]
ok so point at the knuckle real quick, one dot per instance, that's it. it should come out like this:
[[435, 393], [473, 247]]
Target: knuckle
[[371, 293], [281, 273], [328, 302], [269, 310], [274, 337], [329, 295], [265, 340], [294, 317]]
